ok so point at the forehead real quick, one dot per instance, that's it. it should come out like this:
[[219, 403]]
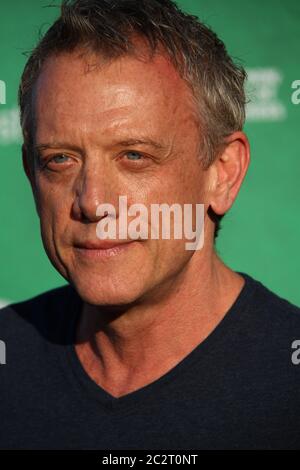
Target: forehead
[[76, 92]]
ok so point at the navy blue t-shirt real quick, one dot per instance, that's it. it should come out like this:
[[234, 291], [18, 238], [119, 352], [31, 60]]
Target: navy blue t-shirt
[[238, 389]]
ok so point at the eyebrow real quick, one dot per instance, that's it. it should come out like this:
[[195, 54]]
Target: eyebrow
[[146, 141], [123, 143], [56, 145]]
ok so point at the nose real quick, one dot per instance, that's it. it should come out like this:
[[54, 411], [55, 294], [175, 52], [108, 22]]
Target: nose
[[93, 187]]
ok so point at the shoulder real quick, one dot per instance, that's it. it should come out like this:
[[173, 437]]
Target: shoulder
[[270, 318], [272, 304], [42, 313], [30, 306]]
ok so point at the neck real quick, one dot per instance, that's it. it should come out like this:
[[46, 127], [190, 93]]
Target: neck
[[124, 348]]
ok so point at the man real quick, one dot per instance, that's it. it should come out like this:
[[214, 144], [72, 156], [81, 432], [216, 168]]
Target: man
[[151, 345]]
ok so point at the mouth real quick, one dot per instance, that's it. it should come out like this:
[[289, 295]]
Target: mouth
[[102, 249]]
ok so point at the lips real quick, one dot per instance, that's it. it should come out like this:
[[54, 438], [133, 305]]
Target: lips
[[101, 244], [101, 249]]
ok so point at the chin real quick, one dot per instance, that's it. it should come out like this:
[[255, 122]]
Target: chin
[[107, 292]]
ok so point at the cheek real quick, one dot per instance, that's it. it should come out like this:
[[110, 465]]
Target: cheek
[[185, 181], [52, 198], [54, 209], [171, 257], [195, 188]]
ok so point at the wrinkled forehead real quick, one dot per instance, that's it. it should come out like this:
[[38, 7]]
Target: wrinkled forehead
[[83, 90]]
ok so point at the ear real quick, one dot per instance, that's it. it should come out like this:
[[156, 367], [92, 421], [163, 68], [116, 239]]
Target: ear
[[228, 171]]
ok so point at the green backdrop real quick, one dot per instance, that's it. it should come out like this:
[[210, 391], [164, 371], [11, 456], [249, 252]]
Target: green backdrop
[[260, 235]]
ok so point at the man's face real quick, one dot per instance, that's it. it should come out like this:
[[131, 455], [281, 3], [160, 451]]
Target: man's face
[[84, 117]]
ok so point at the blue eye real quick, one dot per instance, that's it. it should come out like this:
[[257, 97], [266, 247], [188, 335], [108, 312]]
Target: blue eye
[[61, 158], [134, 155]]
